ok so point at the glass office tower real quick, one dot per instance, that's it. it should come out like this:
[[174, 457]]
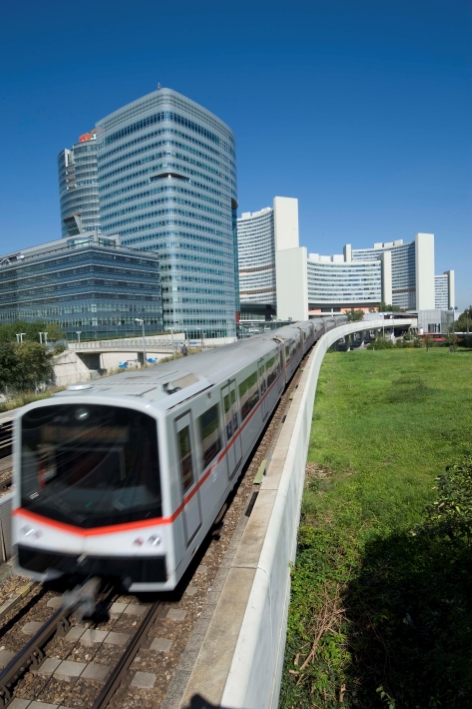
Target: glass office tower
[[78, 186], [167, 183]]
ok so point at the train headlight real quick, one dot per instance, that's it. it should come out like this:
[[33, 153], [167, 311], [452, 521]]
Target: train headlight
[[154, 541], [138, 542], [28, 531]]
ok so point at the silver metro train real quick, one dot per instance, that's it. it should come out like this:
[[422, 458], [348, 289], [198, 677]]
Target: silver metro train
[[123, 477]]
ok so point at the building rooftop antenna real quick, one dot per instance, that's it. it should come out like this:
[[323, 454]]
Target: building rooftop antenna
[[158, 86]]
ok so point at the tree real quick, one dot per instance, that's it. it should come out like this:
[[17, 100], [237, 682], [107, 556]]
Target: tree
[[35, 366], [388, 308], [451, 339], [25, 365], [30, 331], [355, 315], [428, 342], [464, 321], [8, 365]]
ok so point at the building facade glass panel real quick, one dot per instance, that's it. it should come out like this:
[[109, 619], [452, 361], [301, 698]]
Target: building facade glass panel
[[343, 285], [441, 288], [403, 270], [88, 283], [78, 187], [256, 246], [167, 183]]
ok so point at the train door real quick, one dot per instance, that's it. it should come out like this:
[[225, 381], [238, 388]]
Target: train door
[[233, 442], [188, 475], [263, 386]]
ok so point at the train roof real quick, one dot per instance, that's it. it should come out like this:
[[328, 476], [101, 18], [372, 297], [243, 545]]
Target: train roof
[[170, 383]]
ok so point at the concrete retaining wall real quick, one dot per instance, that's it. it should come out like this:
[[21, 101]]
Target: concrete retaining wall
[[6, 506], [253, 681]]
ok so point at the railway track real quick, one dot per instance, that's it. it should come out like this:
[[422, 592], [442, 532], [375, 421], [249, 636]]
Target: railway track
[[34, 654], [6, 434], [139, 647], [6, 482]]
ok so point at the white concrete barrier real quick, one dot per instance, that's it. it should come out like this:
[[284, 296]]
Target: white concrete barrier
[[254, 677]]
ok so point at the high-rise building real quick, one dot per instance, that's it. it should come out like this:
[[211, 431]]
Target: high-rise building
[[78, 186], [256, 253], [271, 260], [412, 271], [275, 271], [444, 291], [167, 183]]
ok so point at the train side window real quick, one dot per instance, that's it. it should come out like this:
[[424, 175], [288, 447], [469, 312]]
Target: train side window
[[271, 370], [209, 426], [262, 377], [248, 394], [287, 351], [184, 444]]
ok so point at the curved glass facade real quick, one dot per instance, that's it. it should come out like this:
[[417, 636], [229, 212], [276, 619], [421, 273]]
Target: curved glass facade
[[344, 284], [167, 183], [403, 269], [256, 246], [78, 188]]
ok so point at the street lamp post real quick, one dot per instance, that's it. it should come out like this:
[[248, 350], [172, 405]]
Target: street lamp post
[[78, 333], [140, 321]]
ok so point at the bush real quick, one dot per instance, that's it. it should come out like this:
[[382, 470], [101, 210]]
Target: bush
[[451, 514], [381, 344]]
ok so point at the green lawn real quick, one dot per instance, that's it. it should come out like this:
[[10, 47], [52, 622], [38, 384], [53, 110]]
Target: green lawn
[[381, 610]]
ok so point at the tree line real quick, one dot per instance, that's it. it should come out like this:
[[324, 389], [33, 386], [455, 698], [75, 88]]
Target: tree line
[[25, 366], [25, 363], [30, 331]]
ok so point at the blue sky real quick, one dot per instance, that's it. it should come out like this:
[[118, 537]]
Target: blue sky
[[360, 109]]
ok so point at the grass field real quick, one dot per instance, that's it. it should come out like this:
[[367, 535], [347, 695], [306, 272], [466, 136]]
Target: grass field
[[381, 611]]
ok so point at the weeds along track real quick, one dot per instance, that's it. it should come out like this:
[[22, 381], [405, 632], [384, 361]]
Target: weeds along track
[[127, 655]]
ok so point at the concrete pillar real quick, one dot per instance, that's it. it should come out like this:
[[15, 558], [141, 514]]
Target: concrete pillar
[[424, 271]]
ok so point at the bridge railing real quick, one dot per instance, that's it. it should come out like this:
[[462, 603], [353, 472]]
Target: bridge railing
[[128, 343]]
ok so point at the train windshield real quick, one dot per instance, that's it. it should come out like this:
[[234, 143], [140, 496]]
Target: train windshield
[[90, 465]]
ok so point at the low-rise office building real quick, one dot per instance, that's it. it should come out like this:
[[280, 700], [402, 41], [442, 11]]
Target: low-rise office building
[[88, 284]]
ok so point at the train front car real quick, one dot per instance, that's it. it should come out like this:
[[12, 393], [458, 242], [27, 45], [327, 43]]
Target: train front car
[[88, 492]]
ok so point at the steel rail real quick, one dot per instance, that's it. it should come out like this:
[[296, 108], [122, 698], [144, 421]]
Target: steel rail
[[32, 653], [126, 659]]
